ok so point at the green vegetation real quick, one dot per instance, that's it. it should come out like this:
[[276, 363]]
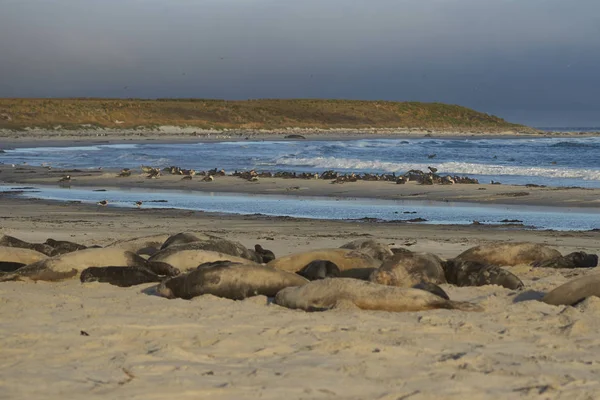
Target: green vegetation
[[249, 114]]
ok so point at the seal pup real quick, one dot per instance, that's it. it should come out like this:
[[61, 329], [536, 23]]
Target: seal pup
[[577, 259], [69, 265], [474, 273], [325, 294], [374, 248], [119, 276], [409, 269], [230, 280], [574, 291], [218, 245], [266, 255], [319, 269], [345, 259], [509, 253]]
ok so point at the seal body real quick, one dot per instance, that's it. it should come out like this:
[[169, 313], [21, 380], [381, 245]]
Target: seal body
[[265, 255], [326, 294], [474, 273], [230, 280], [345, 259], [509, 253], [188, 260], [409, 269], [574, 291], [71, 264], [377, 250], [63, 246], [216, 245], [578, 259], [119, 276], [319, 269], [147, 245], [20, 255], [185, 238], [11, 241]]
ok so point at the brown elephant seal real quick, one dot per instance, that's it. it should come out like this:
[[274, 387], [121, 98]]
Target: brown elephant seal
[[377, 250], [63, 246], [409, 269], [325, 294], [319, 269], [145, 245], [509, 253], [185, 238], [574, 291], [577, 259], [266, 255], [230, 280], [20, 255], [345, 259], [11, 241], [69, 265], [187, 260], [119, 276], [217, 245], [474, 273]]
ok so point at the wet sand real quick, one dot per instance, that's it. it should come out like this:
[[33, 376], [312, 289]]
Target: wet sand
[[139, 346]]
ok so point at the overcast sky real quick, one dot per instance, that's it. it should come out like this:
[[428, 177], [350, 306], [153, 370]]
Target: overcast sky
[[530, 61]]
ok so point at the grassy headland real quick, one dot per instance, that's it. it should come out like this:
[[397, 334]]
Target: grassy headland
[[77, 113]]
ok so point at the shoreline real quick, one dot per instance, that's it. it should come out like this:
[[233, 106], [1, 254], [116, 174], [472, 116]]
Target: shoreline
[[485, 194], [46, 138]]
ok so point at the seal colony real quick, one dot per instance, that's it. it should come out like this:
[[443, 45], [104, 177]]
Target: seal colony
[[362, 274]]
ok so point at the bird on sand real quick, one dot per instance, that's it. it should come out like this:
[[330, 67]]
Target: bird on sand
[[103, 203]]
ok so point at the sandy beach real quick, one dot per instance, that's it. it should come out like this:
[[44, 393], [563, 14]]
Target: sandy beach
[[94, 340]]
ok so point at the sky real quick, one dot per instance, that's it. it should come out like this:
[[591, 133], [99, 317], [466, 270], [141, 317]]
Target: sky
[[535, 62]]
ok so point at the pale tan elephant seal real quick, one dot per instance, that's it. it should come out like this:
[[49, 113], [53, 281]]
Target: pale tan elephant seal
[[574, 291], [325, 294], [70, 265], [188, 260], [509, 253]]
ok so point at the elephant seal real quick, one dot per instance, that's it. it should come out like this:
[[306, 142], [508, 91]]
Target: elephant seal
[[325, 294], [217, 245], [375, 249], [20, 255], [230, 280], [62, 246], [474, 273], [319, 269], [509, 253], [409, 269], [69, 265], [266, 255], [146, 245], [574, 291], [187, 260], [119, 276], [577, 259], [185, 238], [11, 241], [345, 259]]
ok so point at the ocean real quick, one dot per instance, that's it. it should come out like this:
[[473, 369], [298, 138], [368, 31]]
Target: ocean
[[543, 161]]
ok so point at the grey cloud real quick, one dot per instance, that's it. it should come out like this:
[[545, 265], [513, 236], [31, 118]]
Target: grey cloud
[[535, 61]]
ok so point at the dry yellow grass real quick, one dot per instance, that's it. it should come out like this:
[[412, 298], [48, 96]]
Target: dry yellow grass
[[249, 114]]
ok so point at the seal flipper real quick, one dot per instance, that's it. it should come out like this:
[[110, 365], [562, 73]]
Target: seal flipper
[[432, 288]]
